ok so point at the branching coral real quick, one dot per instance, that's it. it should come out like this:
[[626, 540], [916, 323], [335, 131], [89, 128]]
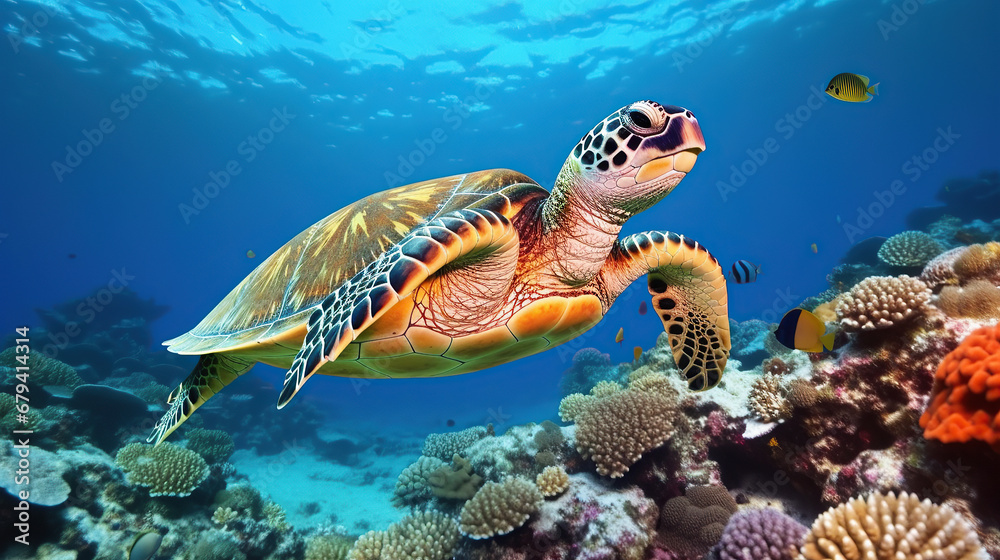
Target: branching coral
[[552, 481], [445, 446], [767, 399], [881, 302], [764, 534], [328, 547], [499, 508], [910, 248], [965, 401], [214, 445], [44, 370], [411, 486], [616, 430], [427, 535], [884, 527], [167, 469]]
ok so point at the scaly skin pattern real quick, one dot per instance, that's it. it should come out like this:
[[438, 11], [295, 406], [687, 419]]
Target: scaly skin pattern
[[499, 269]]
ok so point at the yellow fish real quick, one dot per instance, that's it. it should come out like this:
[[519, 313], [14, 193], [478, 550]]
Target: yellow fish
[[637, 352], [800, 329], [773, 442], [851, 87], [620, 336], [251, 254]]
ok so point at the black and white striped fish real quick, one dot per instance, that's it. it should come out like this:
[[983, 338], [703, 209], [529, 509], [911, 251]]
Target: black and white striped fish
[[744, 272]]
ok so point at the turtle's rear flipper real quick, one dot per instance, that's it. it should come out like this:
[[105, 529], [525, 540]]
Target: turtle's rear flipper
[[689, 295], [213, 372], [360, 301]]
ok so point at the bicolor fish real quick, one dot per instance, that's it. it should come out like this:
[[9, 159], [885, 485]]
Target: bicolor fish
[[851, 87], [744, 272], [801, 330]]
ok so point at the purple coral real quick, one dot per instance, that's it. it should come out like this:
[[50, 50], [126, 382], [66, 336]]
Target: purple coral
[[762, 534]]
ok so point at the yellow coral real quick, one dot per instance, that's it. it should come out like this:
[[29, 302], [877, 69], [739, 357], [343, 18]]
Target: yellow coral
[[552, 481], [573, 405], [167, 469], [499, 508], [428, 535], [605, 388], [979, 261], [978, 299], [884, 527]]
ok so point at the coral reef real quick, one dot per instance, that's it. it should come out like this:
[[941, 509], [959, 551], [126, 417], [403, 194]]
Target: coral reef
[[978, 299], [909, 249], [552, 481], [979, 261], [881, 302], [767, 399], [884, 527], [411, 486], [44, 370], [761, 534], [422, 536], [692, 524], [965, 402], [456, 482], [499, 507], [214, 446], [589, 367], [447, 445], [167, 469], [941, 269], [328, 547]]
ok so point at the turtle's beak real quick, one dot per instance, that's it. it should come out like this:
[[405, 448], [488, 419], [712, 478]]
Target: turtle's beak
[[675, 149]]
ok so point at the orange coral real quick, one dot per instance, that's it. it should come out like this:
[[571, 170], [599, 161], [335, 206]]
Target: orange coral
[[965, 402]]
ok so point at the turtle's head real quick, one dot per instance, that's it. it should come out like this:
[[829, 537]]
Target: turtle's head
[[633, 158]]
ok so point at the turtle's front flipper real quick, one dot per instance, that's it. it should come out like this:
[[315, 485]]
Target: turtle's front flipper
[[360, 301], [213, 372], [689, 294]]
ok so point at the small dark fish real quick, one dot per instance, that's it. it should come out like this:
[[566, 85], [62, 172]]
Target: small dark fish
[[744, 272], [620, 336], [643, 308], [800, 329], [851, 87], [450, 422], [71, 255]]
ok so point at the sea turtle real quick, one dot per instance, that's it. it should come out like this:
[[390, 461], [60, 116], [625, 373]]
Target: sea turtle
[[459, 274]]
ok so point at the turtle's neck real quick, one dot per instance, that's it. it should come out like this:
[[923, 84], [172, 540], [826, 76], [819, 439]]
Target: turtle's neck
[[578, 234]]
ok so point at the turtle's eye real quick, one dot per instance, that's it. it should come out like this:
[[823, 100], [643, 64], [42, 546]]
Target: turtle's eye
[[644, 118]]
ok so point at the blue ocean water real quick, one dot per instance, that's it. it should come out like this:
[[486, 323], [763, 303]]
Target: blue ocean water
[[119, 118]]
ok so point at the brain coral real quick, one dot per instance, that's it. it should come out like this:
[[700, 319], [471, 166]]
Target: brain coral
[[427, 535], [886, 528], [691, 524], [910, 248], [552, 481], [763, 534], [941, 269], [881, 302], [979, 261], [979, 299], [965, 400], [167, 469], [499, 508]]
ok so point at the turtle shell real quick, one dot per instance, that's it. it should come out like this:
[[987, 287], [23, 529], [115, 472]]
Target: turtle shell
[[280, 293]]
